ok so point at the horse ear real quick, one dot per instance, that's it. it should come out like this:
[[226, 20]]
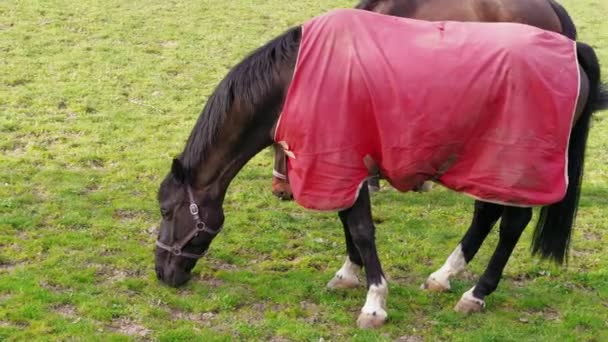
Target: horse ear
[[177, 169]]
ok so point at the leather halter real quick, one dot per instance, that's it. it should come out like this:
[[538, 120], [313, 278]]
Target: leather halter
[[199, 226]]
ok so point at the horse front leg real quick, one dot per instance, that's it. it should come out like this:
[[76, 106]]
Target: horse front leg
[[347, 275], [484, 218], [513, 222], [358, 218]]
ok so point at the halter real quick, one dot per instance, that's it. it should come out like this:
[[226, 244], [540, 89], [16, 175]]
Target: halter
[[199, 226]]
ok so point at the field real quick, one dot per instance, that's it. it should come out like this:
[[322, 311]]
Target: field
[[96, 97]]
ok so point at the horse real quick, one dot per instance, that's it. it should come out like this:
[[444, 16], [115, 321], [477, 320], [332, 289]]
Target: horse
[[241, 118], [545, 14]]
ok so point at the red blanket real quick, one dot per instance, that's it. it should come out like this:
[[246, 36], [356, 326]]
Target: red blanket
[[484, 109]]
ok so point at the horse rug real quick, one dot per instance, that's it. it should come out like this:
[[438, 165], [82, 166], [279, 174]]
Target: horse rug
[[485, 109]]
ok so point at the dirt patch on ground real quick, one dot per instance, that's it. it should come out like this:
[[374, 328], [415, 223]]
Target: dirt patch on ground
[[581, 253], [216, 264], [207, 320], [204, 319], [111, 275], [209, 281], [312, 311], [19, 325], [520, 280], [409, 338], [129, 327], [253, 314], [91, 188], [126, 215], [7, 266], [17, 149], [279, 339], [66, 310], [546, 314], [592, 235], [578, 286], [56, 288], [117, 275], [403, 279], [550, 314], [169, 44]]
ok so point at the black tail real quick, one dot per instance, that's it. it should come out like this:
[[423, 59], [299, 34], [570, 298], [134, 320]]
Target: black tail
[[601, 102], [554, 228], [568, 28]]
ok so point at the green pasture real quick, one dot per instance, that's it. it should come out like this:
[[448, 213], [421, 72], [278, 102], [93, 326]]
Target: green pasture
[[96, 97]]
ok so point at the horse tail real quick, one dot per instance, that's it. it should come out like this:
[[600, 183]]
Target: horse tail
[[568, 27], [554, 228], [601, 102]]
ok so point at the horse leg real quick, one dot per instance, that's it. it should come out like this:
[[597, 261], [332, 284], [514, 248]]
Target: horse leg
[[346, 277], [485, 216], [514, 221], [373, 183], [358, 218]]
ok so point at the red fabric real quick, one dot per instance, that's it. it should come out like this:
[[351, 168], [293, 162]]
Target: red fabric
[[489, 105]]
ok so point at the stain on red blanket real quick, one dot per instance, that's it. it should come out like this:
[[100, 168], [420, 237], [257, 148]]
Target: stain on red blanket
[[484, 109]]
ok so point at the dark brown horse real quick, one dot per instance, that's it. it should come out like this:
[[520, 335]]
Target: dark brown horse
[[545, 14], [238, 122]]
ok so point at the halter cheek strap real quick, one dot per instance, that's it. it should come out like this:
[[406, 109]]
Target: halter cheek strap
[[279, 175], [199, 226]]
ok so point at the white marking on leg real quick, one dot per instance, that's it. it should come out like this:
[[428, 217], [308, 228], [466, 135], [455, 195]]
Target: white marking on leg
[[376, 298], [373, 314], [468, 303], [346, 277], [469, 296], [440, 279]]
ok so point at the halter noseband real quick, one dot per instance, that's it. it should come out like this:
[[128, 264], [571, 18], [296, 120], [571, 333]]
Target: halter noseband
[[199, 226]]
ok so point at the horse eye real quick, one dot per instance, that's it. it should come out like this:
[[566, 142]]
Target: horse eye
[[165, 213]]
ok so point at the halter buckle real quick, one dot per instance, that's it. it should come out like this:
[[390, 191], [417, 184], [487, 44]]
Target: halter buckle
[[193, 209], [176, 251]]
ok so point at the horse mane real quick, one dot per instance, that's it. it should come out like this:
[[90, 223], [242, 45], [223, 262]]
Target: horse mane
[[249, 83]]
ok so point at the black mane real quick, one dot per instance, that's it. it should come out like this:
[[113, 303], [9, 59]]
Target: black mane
[[250, 81]]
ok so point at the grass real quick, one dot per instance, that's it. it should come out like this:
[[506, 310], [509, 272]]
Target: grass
[[95, 100]]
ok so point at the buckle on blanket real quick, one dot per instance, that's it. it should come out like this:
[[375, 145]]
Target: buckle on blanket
[[286, 149]]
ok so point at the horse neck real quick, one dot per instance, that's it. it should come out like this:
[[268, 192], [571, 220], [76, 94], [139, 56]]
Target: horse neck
[[234, 147], [243, 135], [257, 86]]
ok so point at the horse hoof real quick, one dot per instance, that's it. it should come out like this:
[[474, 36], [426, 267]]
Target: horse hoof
[[372, 320], [342, 282], [469, 304], [434, 285]]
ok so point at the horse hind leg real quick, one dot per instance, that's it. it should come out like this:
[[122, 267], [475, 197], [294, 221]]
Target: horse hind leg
[[485, 216], [514, 221]]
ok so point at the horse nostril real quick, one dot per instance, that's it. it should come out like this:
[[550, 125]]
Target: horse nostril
[[159, 273]]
